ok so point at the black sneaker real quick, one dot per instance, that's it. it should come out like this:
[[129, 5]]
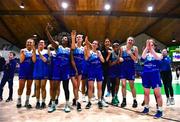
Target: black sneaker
[[135, 104], [100, 105], [123, 104], [50, 102], [28, 106], [38, 105], [18, 105], [56, 101], [9, 99], [74, 102], [43, 105], [79, 107], [88, 106]]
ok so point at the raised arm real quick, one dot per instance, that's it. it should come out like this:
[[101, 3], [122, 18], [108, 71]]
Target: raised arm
[[51, 40], [146, 49], [86, 49], [156, 55], [33, 53], [73, 38]]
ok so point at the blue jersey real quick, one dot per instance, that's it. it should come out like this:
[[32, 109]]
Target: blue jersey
[[128, 61], [151, 72], [94, 61], [166, 64], [62, 56], [61, 66], [114, 70], [151, 64], [41, 67], [94, 67], [27, 66], [79, 55]]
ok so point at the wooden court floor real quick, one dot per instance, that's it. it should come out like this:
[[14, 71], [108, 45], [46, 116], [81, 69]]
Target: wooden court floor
[[9, 112]]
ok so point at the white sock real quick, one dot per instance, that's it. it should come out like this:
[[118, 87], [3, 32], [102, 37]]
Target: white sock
[[57, 97], [43, 100], [89, 99], [99, 99], [146, 106], [19, 96], [160, 109], [53, 103], [134, 98], [67, 102]]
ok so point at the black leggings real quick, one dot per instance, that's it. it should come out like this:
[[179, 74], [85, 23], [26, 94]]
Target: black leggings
[[115, 86], [104, 83], [66, 89], [167, 81], [10, 85]]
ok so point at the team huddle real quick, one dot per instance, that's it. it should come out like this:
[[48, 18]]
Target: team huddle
[[83, 63]]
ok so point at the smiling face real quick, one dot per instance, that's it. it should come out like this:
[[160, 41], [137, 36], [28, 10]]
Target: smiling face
[[95, 45], [79, 39], [41, 44], [130, 41], [107, 43], [29, 44]]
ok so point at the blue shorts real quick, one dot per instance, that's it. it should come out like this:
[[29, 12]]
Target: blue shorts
[[114, 71], [40, 77], [26, 74], [151, 79], [95, 74], [61, 73], [128, 74], [79, 68]]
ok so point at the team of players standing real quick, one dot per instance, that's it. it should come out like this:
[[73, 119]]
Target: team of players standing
[[63, 61]]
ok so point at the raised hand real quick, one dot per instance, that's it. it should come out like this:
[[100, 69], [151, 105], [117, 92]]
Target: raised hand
[[73, 34], [148, 44], [49, 27]]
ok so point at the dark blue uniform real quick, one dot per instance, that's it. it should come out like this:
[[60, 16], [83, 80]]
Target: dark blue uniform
[[40, 67], [128, 65], [78, 54], [62, 65], [8, 76], [151, 72], [114, 71], [94, 68], [27, 66]]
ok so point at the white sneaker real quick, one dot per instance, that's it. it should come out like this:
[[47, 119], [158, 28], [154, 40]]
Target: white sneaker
[[168, 102], [51, 109], [67, 108], [83, 98], [172, 102], [104, 104]]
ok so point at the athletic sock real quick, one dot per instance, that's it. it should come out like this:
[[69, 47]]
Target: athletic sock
[[134, 98], [53, 103], [160, 109], [99, 99], [43, 100], [27, 99], [146, 106], [37, 100]]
